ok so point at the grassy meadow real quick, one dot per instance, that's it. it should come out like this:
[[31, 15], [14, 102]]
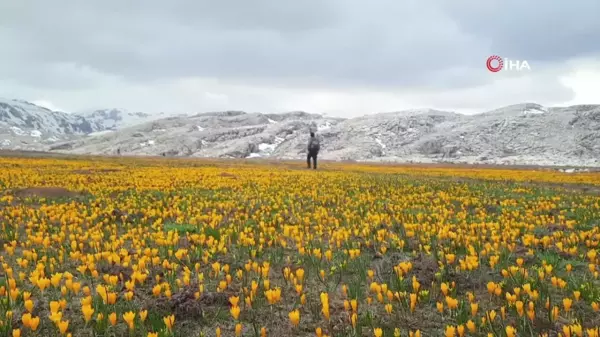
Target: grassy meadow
[[152, 247]]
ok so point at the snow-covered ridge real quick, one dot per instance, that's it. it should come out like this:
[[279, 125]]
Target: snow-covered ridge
[[26, 126], [113, 119], [23, 118], [518, 134]]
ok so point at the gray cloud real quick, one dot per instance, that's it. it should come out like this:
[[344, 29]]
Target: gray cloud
[[401, 47], [343, 42], [532, 30]]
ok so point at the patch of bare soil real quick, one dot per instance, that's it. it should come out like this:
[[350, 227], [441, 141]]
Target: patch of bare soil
[[429, 322], [338, 315], [520, 251], [228, 175], [184, 304], [551, 228], [479, 166], [35, 154], [47, 192], [384, 264], [471, 282], [424, 268], [124, 273]]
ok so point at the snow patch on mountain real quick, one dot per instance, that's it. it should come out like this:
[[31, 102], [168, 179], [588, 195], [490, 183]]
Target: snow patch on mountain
[[17, 131], [113, 119], [147, 143], [535, 111], [100, 133], [266, 149], [574, 170], [324, 126], [270, 147]]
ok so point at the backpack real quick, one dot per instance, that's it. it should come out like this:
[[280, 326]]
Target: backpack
[[315, 145]]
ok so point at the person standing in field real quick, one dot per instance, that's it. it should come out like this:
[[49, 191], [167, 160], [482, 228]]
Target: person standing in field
[[313, 150]]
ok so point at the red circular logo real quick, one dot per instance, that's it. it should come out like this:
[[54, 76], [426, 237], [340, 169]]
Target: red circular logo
[[496, 68]]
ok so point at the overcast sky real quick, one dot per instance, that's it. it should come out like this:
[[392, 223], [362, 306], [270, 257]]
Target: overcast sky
[[341, 57]]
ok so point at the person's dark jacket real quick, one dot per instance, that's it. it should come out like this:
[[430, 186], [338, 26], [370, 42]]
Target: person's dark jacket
[[314, 145]]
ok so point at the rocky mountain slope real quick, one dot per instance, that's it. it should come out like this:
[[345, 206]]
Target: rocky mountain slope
[[26, 126], [518, 134], [115, 119], [230, 134], [527, 134]]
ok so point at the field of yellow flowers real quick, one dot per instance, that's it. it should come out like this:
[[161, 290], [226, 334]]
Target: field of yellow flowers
[[162, 247]]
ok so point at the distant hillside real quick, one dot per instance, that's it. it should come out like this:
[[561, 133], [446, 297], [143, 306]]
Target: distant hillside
[[523, 134]]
